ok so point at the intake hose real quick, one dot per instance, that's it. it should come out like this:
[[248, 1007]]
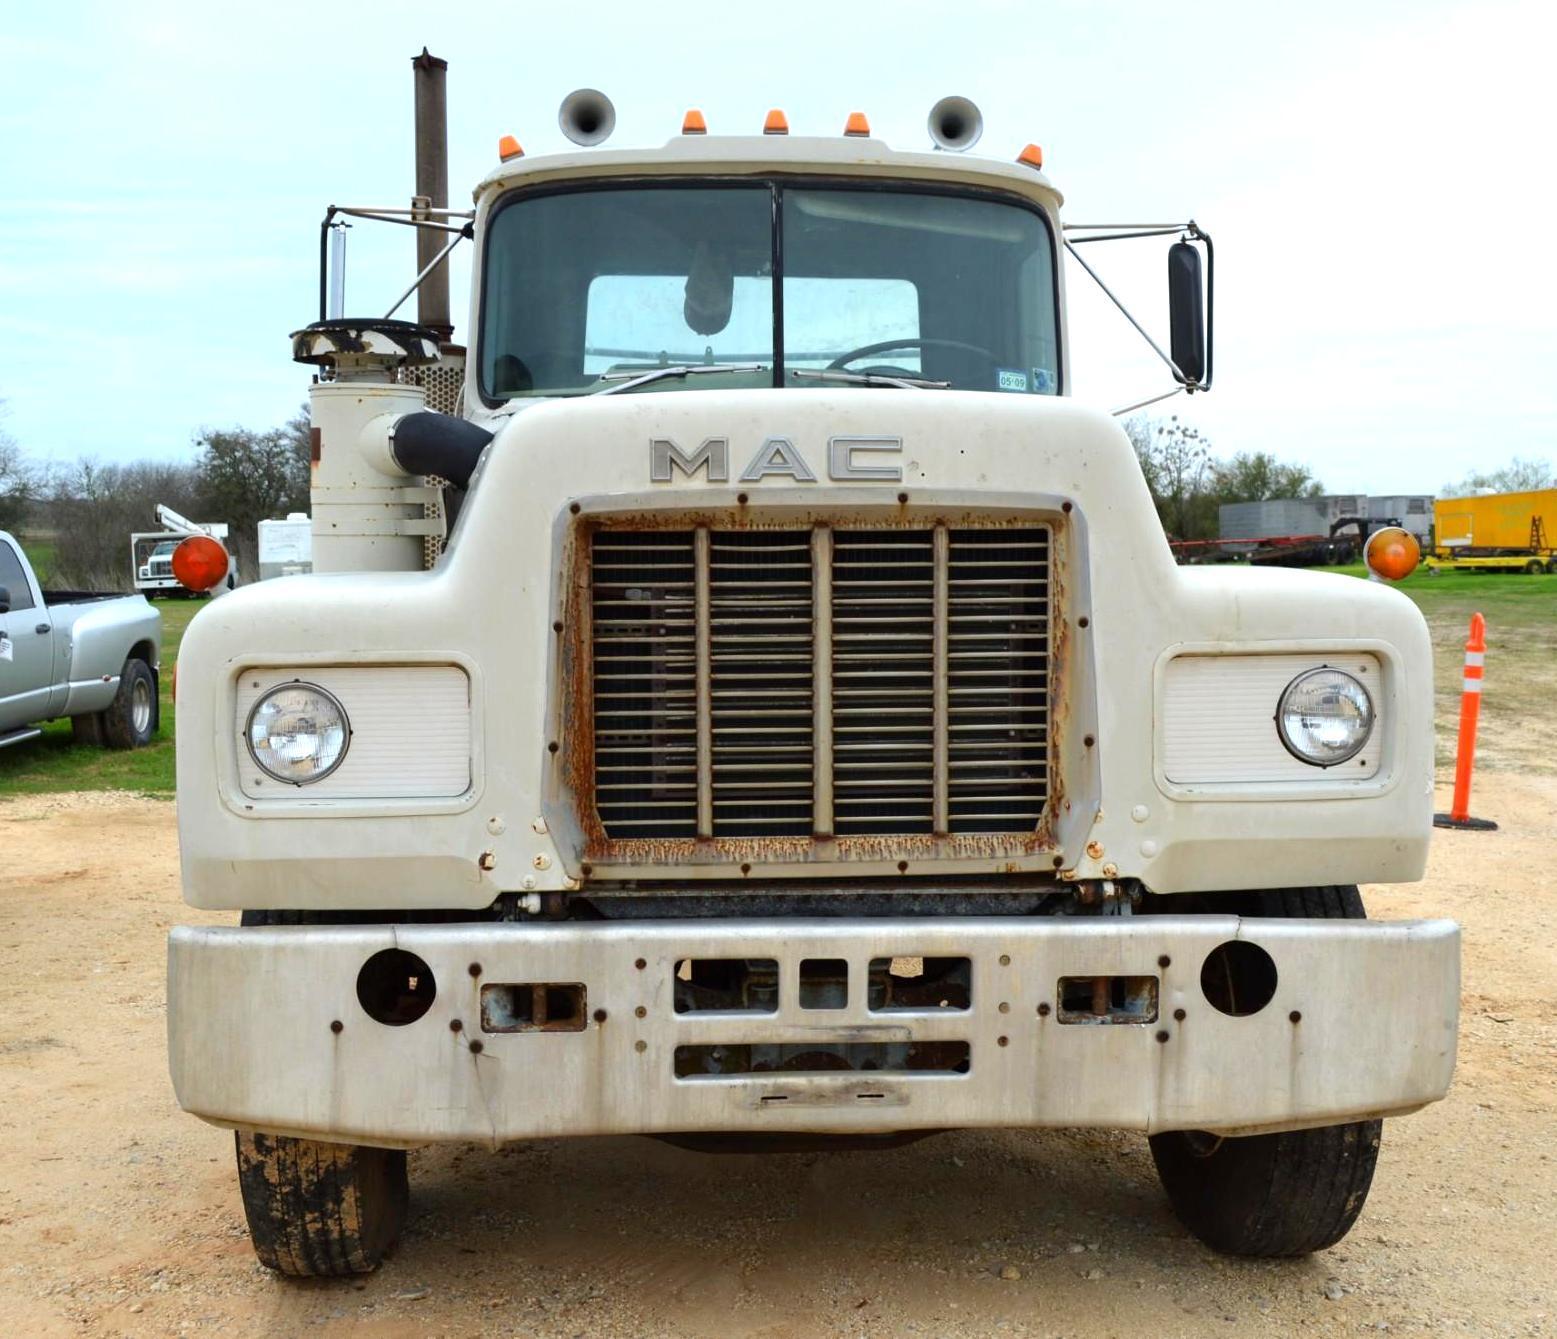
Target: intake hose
[[431, 443]]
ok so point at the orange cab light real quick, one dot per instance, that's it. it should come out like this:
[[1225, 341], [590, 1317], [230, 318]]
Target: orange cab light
[[857, 124], [776, 124], [199, 563], [1392, 553], [693, 123], [1032, 155], [508, 147]]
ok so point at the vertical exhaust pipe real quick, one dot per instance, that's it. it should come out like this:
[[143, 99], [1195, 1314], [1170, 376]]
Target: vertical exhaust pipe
[[432, 189]]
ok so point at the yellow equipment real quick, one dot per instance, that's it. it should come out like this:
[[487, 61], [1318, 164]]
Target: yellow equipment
[[1507, 531]]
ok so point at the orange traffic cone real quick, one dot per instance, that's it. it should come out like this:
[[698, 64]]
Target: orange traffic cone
[[1470, 713]]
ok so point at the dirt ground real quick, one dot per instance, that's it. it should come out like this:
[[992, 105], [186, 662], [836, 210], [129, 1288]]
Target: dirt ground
[[120, 1216]]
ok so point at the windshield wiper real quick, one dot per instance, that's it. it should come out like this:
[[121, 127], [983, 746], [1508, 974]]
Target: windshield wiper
[[869, 379], [626, 381]]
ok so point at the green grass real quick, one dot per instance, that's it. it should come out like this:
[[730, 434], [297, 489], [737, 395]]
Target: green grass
[[55, 762], [1518, 728]]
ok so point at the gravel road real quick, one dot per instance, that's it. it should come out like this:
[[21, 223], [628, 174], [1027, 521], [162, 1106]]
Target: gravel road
[[120, 1216]]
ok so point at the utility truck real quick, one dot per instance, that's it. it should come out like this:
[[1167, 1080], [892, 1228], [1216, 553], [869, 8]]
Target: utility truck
[[151, 552], [803, 734]]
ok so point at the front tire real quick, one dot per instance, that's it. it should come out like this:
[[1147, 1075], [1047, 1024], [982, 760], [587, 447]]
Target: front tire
[[130, 720], [1273, 1194], [320, 1210]]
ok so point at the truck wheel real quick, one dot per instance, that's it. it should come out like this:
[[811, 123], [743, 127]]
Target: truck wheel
[[1273, 1194], [131, 718], [320, 1210], [1535, 567]]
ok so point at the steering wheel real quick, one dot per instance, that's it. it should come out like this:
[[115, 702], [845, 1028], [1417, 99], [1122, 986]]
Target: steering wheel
[[888, 345]]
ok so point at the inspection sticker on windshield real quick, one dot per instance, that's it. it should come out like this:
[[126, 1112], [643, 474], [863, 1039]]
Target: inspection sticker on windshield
[[1010, 379]]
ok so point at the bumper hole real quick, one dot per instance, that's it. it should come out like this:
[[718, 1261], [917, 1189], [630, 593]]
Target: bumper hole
[[1238, 978], [533, 1006], [919, 983], [824, 983], [1108, 999], [726, 985], [395, 987], [822, 1057]]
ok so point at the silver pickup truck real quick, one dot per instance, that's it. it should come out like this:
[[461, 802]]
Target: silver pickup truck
[[92, 657]]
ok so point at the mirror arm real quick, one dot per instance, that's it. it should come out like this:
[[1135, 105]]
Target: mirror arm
[[1171, 365], [1192, 232]]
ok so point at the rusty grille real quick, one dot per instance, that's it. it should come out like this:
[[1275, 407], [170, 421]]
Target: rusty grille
[[820, 682]]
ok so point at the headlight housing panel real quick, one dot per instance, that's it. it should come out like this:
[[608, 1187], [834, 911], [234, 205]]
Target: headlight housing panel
[[297, 733], [1325, 716]]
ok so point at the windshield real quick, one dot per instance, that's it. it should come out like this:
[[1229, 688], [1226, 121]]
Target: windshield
[[766, 285]]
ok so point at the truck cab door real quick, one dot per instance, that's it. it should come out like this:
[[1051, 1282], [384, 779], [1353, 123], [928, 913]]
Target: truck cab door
[[27, 659]]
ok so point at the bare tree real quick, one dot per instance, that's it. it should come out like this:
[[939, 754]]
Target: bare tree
[[1176, 461], [95, 508], [1518, 476]]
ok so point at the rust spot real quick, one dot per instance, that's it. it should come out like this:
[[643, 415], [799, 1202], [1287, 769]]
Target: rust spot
[[1043, 1010], [1095, 850], [337, 1026]]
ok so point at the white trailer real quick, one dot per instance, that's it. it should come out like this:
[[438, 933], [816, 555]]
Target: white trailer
[[286, 547]]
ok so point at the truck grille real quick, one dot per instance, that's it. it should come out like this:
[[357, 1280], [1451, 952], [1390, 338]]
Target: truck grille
[[820, 682]]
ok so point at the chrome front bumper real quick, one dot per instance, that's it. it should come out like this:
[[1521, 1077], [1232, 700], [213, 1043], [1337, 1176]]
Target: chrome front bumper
[[1362, 1023]]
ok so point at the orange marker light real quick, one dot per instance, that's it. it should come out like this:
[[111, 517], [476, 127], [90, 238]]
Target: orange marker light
[[776, 124], [1392, 553], [1032, 155], [199, 563], [857, 125], [693, 123], [508, 147]]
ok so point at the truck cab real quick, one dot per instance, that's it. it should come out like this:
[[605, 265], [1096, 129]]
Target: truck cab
[[804, 731]]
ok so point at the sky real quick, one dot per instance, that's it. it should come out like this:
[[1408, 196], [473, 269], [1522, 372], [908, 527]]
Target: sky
[[1376, 178]]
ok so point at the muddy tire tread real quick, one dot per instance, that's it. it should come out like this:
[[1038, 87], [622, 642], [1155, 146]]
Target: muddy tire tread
[[320, 1210]]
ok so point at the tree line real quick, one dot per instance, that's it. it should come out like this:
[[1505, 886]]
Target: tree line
[[1189, 485], [238, 475]]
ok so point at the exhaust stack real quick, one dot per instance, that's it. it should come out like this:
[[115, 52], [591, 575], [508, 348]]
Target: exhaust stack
[[432, 189]]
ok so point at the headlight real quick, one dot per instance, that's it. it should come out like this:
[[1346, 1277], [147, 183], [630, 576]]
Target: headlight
[[1325, 717], [298, 733]]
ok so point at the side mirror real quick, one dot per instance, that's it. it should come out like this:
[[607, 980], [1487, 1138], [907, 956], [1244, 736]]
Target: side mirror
[[5, 599], [1186, 315]]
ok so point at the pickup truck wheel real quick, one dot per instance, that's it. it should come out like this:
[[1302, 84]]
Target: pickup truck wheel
[[131, 718], [1273, 1194], [319, 1210]]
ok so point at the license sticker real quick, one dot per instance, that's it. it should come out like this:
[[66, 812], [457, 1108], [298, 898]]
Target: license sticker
[[1043, 380], [5, 647], [1010, 379]]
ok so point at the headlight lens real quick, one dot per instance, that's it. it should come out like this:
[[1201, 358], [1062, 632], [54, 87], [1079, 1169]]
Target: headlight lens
[[298, 733], [1325, 717]]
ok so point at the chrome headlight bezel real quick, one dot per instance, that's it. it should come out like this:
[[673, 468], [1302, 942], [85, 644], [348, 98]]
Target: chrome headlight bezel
[[1367, 713], [293, 685]]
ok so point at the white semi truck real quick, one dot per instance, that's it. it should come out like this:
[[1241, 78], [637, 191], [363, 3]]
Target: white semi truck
[[805, 730]]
